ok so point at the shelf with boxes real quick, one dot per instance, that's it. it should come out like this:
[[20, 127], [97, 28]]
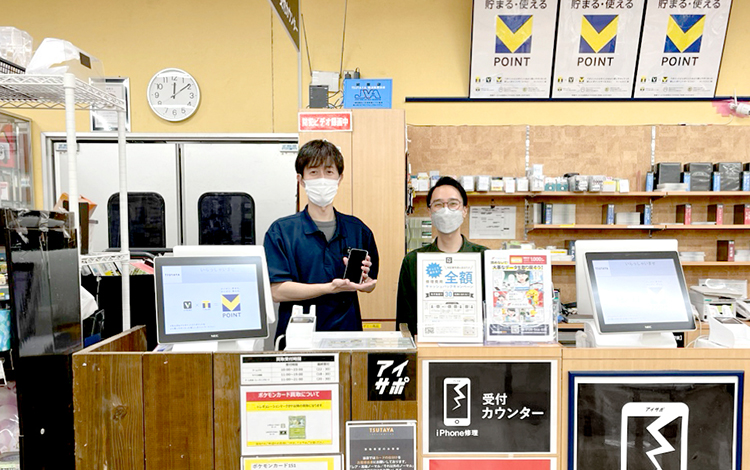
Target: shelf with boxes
[[627, 153], [653, 214], [708, 242]]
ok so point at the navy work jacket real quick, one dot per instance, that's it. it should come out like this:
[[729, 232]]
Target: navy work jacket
[[296, 250]]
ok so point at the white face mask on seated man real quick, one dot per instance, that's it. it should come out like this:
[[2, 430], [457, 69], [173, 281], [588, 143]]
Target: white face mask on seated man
[[321, 191]]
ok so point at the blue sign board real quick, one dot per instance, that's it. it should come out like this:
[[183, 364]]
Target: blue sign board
[[372, 93]]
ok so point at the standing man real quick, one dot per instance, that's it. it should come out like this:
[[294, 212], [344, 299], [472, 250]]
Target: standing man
[[307, 252], [447, 203]]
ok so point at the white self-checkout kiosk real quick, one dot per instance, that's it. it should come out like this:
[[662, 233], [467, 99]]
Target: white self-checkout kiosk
[[635, 291], [213, 298]]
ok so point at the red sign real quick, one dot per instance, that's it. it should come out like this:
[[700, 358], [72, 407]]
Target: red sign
[[291, 395], [8, 152], [311, 121], [524, 259], [491, 464]]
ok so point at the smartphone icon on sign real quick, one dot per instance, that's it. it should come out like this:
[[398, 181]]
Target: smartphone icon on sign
[[456, 401], [661, 428]]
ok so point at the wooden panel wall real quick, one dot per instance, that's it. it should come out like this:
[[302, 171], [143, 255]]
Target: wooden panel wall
[[468, 150], [345, 389], [702, 144], [379, 182], [227, 410], [179, 412], [622, 151], [108, 403], [132, 340], [108, 411]]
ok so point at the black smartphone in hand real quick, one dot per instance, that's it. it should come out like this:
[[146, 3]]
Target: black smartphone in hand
[[353, 270]]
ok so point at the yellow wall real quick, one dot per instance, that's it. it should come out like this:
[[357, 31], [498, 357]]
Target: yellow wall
[[247, 68]]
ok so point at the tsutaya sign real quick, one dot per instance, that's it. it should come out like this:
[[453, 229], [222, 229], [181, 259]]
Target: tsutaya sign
[[288, 11]]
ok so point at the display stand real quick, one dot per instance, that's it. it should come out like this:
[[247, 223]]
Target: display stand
[[66, 92]]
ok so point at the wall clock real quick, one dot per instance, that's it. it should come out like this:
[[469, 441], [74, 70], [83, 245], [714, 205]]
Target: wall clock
[[173, 94]]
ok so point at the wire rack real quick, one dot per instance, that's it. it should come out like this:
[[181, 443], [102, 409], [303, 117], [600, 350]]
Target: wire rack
[[97, 258], [7, 66], [47, 92]]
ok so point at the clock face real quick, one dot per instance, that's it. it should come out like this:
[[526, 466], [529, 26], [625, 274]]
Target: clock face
[[173, 94]]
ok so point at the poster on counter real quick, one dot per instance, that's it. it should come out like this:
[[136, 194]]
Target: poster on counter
[[597, 48], [381, 445], [449, 297], [536, 463], [518, 289], [300, 462], [486, 407], [681, 48], [682, 420], [511, 48], [289, 419]]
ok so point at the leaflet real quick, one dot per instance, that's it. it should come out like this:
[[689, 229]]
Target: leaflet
[[449, 297], [291, 419], [519, 296]]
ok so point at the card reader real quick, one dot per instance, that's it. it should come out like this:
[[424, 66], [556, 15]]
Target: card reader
[[301, 327], [729, 332]]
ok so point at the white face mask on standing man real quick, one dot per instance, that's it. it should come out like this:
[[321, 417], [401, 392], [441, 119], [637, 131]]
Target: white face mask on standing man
[[321, 191], [447, 216]]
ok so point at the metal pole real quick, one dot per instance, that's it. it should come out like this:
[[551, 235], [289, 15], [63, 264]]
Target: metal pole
[[124, 220], [299, 64], [69, 85]]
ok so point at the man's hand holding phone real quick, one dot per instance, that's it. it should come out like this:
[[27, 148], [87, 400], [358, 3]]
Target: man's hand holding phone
[[356, 275]]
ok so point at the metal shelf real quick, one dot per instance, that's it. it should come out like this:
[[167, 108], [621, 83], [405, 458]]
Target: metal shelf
[[66, 92], [48, 92], [98, 258]]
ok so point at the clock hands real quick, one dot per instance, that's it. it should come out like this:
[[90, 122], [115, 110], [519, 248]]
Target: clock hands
[[175, 93], [174, 87]]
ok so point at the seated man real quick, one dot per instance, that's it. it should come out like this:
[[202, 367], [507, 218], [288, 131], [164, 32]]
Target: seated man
[[447, 202], [307, 251]]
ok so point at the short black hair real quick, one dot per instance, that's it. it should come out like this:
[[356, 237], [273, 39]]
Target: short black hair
[[316, 153], [448, 181]]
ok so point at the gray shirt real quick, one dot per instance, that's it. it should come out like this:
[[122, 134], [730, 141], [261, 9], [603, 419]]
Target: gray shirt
[[328, 228]]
